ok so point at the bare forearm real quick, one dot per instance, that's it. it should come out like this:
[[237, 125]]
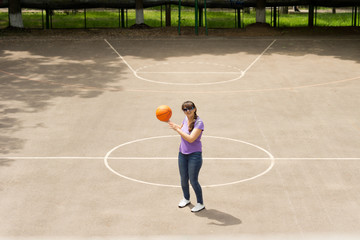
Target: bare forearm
[[187, 137]]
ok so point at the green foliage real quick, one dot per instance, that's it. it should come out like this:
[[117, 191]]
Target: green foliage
[[217, 18], [4, 20]]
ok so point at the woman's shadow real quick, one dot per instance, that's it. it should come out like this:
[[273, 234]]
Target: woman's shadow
[[220, 218]]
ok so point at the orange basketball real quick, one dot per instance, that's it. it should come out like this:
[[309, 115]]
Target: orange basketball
[[163, 113]]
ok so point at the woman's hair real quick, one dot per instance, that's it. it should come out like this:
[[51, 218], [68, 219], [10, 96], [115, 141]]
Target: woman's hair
[[188, 105]]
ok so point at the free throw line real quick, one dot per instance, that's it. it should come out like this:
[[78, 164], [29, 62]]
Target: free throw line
[[175, 158], [242, 73]]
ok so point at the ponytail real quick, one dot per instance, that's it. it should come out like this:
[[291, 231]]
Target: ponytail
[[192, 124], [190, 104]]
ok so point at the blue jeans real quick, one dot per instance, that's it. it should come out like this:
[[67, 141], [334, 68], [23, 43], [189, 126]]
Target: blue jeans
[[189, 168]]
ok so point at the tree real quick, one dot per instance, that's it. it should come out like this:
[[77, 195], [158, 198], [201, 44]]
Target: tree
[[139, 5], [15, 15], [260, 11]]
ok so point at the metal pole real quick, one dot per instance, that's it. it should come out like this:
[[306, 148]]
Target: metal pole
[[239, 17], [179, 24], [42, 18], [200, 17], [235, 17], [196, 18], [243, 14], [355, 17], [122, 18], [206, 26], [85, 17], [168, 15], [311, 16], [275, 13], [47, 11], [161, 15]]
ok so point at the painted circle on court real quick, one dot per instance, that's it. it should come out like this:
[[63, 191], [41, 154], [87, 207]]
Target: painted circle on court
[[183, 73], [270, 158]]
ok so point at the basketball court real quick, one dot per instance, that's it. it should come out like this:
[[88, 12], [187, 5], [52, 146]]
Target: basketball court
[[82, 154]]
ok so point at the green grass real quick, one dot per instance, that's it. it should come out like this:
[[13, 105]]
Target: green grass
[[329, 19], [4, 22], [224, 18]]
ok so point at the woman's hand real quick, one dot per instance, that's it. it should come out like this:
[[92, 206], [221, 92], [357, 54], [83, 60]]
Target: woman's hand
[[173, 126], [190, 138]]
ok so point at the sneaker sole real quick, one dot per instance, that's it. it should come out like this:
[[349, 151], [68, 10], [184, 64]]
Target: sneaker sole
[[198, 210], [184, 206]]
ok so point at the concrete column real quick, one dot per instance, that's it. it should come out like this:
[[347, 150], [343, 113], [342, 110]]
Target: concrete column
[[260, 11], [139, 11], [15, 15]]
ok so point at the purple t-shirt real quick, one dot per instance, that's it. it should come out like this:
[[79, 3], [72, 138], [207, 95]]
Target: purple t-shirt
[[185, 146]]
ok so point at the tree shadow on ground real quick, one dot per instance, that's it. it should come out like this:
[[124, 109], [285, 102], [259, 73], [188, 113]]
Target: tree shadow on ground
[[5, 162], [296, 46], [37, 69], [157, 37], [33, 74], [9, 125], [219, 218]]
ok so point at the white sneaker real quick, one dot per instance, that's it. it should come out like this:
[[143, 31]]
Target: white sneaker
[[183, 203], [198, 207]]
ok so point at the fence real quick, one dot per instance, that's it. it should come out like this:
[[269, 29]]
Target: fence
[[156, 17]]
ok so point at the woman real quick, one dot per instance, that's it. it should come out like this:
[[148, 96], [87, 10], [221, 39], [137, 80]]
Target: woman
[[190, 154]]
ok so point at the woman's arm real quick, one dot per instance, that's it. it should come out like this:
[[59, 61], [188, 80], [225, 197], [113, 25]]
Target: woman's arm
[[173, 125], [188, 137]]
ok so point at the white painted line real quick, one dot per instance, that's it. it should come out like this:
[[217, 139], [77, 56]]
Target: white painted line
[[127, 64], [243, 39], [45, 158], [314, 159], [259, 56], [132, 158], [247, 90], [191, 84], [271, 158], [195, 72], [241, 74], [175, 158]]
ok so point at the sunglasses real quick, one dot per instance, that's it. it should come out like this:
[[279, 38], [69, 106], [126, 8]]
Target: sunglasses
[[188, 109]]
